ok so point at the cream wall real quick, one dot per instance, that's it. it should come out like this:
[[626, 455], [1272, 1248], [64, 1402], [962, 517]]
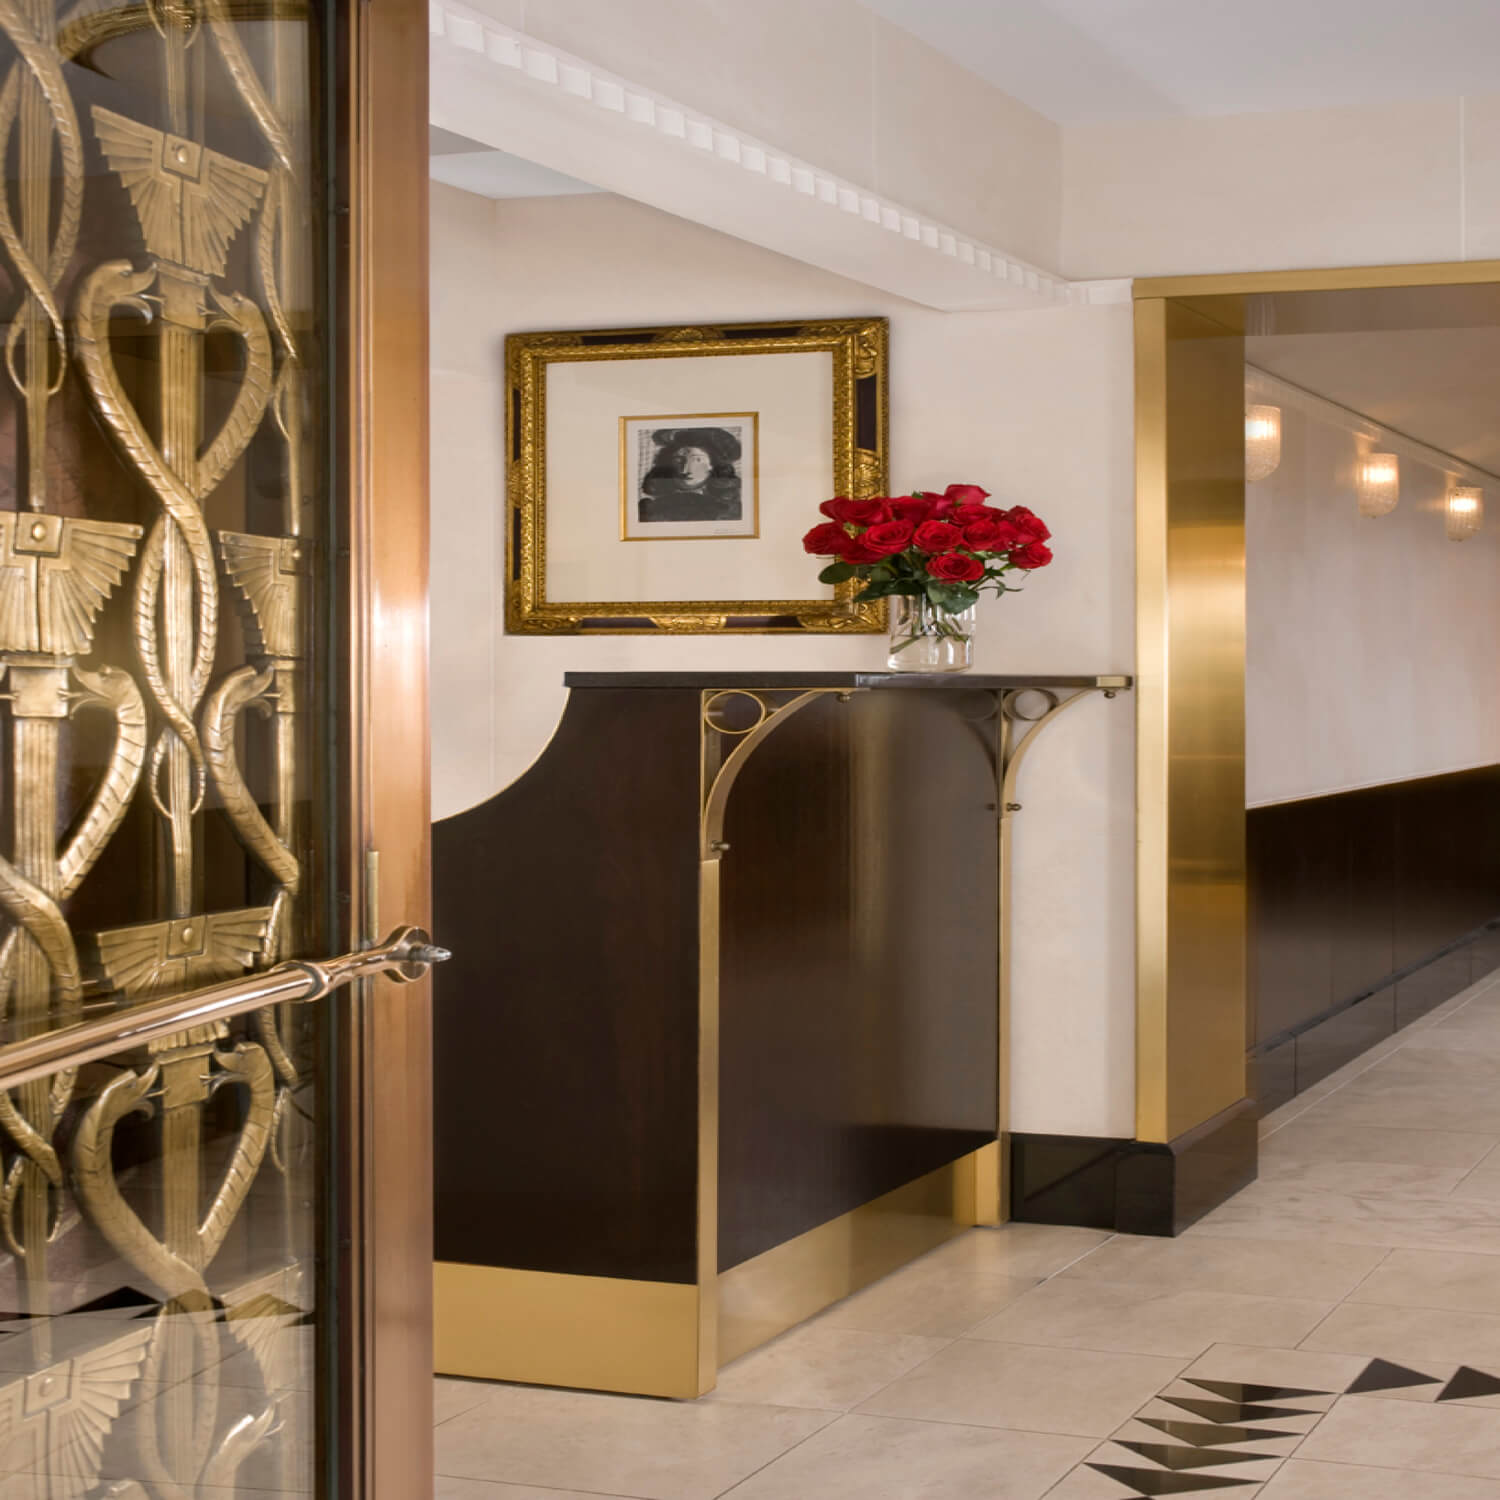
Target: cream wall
[[1405, 182], [1035, 404], [1370, 652]]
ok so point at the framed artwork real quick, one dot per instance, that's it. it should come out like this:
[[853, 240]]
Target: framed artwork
[[661, 479], [695, 475]]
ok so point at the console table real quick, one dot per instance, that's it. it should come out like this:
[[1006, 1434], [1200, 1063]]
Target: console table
[[721, 1038]]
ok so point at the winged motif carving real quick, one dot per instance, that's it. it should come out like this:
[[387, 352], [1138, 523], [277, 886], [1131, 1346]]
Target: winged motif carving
[[268, 573], [157, 958], [55, 574], [189, 201], [54, 1421]]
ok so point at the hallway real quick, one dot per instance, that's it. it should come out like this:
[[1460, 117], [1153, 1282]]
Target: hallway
[[1332, 1332]]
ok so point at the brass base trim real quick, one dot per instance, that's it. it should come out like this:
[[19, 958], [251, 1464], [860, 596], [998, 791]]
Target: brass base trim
[[776, 1290], [541, 1328]]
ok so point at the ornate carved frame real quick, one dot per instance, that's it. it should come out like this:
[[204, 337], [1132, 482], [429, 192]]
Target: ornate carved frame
[[859, 435]]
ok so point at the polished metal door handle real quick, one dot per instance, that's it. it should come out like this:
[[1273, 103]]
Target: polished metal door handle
[[406, 955]]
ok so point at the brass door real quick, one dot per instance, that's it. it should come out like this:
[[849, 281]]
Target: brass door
[[196, 623]]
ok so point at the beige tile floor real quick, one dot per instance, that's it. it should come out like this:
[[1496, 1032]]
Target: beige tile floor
[[1010, 1363]]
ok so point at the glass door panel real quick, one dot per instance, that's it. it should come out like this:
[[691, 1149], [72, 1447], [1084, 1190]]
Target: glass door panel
[[167, 576]]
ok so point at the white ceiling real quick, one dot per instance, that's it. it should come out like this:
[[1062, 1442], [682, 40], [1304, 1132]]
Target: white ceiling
[[462, 163], [1079, 61]]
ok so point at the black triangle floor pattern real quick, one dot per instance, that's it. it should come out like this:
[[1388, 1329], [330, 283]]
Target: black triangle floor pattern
[[1227, 1409], [1381, 1375], [1165, 1482], [1169, 1456], [1237, 1411], [1232, 1390], [1213, 1434], [1468, 1383]]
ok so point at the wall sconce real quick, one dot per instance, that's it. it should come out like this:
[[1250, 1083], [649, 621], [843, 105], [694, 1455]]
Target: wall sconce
[[1262, 442], [1465, 512], [1378, 484]]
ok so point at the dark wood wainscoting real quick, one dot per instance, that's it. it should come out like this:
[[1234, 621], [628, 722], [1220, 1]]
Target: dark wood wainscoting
[[1367, 909]]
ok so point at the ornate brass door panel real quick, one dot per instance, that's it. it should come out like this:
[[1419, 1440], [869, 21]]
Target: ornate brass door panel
[[170, 564]]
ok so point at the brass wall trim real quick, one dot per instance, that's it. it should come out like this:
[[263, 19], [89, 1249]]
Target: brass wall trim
[[596, 1332], [1190, 666], [778, 1289], [1331, 279], [1190, 552]]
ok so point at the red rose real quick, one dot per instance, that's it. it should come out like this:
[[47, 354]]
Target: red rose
[[859, 551], [827, 540], [886, 537], [983, 535], [1028, 522], [955, 567], [963, 514], [913, 508], [966, 494], [990, 535], [1032, 555], [858, 512], [938, 505], [937, 536]]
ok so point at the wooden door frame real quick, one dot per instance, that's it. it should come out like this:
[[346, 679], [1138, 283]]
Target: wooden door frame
[[384, 1405]]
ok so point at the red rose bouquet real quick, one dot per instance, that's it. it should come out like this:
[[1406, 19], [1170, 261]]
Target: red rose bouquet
[[939, 551]]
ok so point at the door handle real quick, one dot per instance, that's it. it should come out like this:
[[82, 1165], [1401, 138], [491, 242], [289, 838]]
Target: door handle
[[405, 956]]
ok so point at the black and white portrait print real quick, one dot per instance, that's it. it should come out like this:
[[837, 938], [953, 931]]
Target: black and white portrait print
[[689, 476]]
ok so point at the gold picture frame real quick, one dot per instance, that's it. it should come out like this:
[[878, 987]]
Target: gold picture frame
[[858, 434]]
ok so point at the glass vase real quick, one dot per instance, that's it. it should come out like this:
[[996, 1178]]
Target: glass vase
[[925, 638]]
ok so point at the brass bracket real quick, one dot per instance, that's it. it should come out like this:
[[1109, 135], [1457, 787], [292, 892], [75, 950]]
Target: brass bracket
[[734, 723]]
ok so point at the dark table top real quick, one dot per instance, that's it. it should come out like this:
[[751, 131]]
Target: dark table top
[[954, 681]]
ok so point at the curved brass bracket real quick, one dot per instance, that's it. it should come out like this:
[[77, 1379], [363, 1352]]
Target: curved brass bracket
[[719, 770]]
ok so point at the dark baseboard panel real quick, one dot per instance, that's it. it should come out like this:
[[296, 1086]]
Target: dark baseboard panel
[[1133, 1187], [1366, 909]]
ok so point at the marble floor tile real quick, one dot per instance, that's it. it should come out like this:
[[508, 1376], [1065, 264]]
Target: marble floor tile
[[655, 1450], [1073, 1312], [1410, 1334], [1297, 1368], [1483, 1182], [1373, 1178], [449, 1488], [1300, 1480], [1333, 1219], [1471, 1031], [933, 1304], [828, 1369], [1312, 1138], [1434, 1278], [1025, 1251], [1027, 1388], [1249, 1266], [1447, 1439], [859, 1458], [451, 1397], [1471, 1108], [1420, 1065]]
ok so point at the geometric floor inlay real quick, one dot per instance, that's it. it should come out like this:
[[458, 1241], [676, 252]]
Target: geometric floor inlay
[[1241, 1433]]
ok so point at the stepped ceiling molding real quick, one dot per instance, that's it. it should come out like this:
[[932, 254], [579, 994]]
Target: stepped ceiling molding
[[505, 90]]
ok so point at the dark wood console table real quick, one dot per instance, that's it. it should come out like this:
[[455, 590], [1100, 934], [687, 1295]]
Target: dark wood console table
[[720, 1040]]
